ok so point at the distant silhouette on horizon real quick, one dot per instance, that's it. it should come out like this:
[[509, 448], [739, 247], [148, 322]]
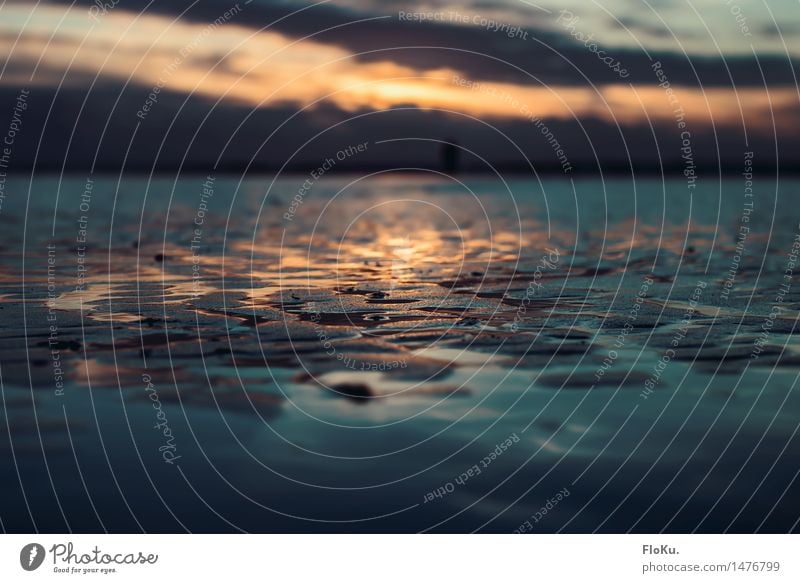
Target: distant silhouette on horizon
[[449, 154]]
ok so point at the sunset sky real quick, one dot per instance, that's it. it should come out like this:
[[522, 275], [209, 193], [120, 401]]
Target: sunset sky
[[254, 81]]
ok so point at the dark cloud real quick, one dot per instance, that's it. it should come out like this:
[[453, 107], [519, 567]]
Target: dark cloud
[[194, 134], [548, 56], [637, 25], [785, 29]]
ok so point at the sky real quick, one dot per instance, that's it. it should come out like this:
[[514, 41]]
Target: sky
[[284, 83]]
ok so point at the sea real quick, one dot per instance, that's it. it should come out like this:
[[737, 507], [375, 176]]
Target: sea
[[399, 352]]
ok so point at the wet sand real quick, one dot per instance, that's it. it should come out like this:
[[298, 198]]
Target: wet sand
[[399, 354]]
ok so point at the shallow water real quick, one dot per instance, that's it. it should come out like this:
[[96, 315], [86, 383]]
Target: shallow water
[[398, 353]]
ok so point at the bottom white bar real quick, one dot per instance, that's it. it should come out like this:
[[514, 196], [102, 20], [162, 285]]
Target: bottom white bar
[[417, 558]]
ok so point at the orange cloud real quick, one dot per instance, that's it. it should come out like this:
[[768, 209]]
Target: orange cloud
[[263, 68]]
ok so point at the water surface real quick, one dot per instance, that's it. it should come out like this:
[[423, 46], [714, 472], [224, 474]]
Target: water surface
[[398, 353]]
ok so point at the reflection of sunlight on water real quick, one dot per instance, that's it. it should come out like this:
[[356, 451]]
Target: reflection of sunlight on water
[[393, 255], [458, 356], [406, 282], [403, 256], [77, 300]]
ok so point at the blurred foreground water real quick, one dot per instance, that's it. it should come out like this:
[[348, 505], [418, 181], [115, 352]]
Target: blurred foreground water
[[398, 353]]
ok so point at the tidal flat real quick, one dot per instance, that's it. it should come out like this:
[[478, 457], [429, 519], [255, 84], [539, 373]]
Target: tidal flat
[[398, 353]]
